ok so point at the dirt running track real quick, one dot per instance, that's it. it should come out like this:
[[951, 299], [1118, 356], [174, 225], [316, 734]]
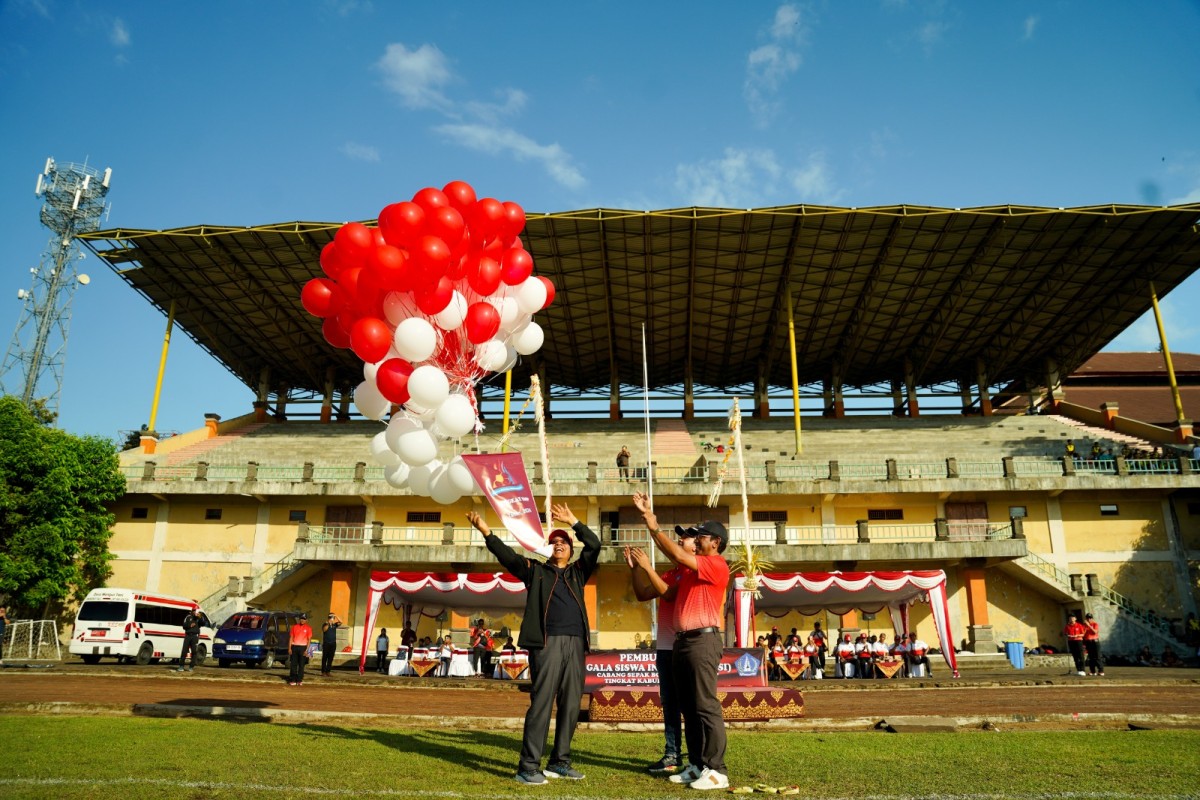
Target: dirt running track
[[1174, 698]]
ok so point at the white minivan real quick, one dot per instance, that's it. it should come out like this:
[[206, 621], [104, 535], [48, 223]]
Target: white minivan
[[134, 626]]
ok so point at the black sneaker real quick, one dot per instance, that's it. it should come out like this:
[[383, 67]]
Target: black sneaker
[[562, 771], [663, 766], [533, 778]]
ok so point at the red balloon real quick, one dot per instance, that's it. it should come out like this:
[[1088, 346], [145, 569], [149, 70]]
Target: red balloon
[[516, 267], [486, 279], [482, 322], [433, 299], [334, 333], [392, 380], [431, 199], [346, 318], [485, 218], [431, 256], [549, 290], [514, 221], [354, 241], [401, 223], [460, 194], [377, 237], [369, 301], [391, 268], [331, 262], [321, 297], [370, 339], [446, 224]]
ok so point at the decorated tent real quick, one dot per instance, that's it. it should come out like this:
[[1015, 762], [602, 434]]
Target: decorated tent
[[841, 592], [431, 593]]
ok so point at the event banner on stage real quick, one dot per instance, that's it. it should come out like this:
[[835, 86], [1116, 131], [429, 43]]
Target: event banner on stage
[[501, 477], [738, 667]]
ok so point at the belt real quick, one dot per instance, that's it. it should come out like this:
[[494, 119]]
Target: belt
[[694, 632]]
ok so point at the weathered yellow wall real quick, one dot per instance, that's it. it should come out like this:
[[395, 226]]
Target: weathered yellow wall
[[917, 511], [1189, 523], [129, 574], [1149, 584], [1016, 612], [132, 534], [622, 620], [190, 532], [194, 579], [1138, 525]]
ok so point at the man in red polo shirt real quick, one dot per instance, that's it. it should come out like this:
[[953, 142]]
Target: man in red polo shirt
[[699, 609], [1074, 632]]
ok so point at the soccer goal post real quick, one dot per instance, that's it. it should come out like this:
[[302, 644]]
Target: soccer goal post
[[32, 640]]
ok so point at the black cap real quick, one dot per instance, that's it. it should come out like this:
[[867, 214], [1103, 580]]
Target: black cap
[[304, 616], [709, 527]]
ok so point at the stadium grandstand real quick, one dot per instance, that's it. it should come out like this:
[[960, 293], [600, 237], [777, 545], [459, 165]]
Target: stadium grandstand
[[907, 376]]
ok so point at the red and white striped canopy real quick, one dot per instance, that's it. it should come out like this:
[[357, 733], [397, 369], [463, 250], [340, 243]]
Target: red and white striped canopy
[[841, 592]]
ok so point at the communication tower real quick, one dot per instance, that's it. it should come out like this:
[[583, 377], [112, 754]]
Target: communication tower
[[74, 204]]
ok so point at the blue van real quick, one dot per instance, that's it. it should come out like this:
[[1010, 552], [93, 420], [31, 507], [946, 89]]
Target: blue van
[[255, 637]]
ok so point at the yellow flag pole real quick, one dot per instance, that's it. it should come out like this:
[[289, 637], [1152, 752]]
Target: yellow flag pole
[[162, 366]]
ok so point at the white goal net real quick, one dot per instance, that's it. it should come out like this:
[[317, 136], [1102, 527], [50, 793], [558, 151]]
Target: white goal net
[[32, 640]]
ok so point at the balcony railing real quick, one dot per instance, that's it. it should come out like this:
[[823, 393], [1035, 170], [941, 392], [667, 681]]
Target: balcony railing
[[874, 471]]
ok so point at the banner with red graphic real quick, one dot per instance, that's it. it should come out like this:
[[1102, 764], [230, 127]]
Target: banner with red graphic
[[738, 667], [501, 477]]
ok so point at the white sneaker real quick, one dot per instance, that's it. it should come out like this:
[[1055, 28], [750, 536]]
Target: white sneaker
[[688, 774], [1080, 674], [710, 779]]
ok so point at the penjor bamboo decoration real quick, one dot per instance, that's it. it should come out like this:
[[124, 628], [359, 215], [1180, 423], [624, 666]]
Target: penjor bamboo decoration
[[751, 564], [539, 415]]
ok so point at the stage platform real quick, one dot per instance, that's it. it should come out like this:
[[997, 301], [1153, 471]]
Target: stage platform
[[740, 704]]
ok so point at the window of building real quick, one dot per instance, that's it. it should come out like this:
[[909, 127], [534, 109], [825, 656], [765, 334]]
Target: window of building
[[140, 513], [885, 513], [768, 516], [1017, 512], [424, 516], [212, 513], [297, 515], [1109, 510]]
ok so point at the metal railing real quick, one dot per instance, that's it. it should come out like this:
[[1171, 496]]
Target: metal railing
[[874, 471], [980, 469], [916, 470], [1047, 570], [1030, 466]]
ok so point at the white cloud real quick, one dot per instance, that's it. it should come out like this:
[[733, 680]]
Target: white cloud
[[769, 65], [494, 140], [418, 76], [344, 8], [360, 152], [753, 178], [1030, 26], [512, 101], [931, 33], [119, 35]]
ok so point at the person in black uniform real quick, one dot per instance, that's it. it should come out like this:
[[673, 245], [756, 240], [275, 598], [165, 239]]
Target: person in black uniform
[[191, 638]]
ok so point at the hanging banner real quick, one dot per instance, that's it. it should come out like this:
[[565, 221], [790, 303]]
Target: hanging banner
[[501, 477], [739, 667]]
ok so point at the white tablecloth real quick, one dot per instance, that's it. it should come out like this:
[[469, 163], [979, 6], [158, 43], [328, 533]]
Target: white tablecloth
[[517, 657], [460, 664]]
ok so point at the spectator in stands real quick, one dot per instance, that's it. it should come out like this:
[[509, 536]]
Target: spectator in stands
[[1070, 449], [1096, 450], [1196, 451], [1168, 657], [1145, 658], [623, 463]]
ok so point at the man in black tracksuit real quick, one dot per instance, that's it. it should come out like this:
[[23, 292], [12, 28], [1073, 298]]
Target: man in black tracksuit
[[191, 638], [554, 630]]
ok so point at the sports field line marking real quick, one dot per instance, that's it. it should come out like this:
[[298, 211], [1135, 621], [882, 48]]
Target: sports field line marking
[[318, 791]]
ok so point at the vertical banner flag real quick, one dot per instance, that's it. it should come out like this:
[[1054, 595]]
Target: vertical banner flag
[[501, 477]]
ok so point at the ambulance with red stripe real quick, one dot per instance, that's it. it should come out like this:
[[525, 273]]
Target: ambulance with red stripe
[[130, 625]]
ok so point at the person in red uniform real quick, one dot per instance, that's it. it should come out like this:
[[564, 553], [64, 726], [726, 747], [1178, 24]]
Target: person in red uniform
[[301, 634], [699, 609], [1074, 632], [1091, 645]]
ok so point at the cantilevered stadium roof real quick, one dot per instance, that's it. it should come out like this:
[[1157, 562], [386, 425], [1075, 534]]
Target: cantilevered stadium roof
[[872, 289]]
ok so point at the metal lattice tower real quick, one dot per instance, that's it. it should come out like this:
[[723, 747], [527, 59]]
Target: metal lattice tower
[[74, 204]]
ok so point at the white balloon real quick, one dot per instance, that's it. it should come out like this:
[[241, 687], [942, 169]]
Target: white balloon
[[491, 355], [428, 386], [415, 339], [452, 316], [510, 361], [369, 402], [442, 491], [458, 474], [531, 295], [418, 477], [528, 339], [397, 476], [417, 448], [419, 412], [399, 426], [398, 307], [381, 452], [455, 416], [509, 312]]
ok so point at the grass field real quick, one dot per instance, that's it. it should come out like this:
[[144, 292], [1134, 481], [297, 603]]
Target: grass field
[[130, 758]]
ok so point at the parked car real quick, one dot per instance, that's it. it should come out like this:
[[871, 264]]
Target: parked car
[[255, 637]]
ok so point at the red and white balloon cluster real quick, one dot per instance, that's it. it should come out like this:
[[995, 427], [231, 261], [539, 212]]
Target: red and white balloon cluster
[[441, 294]]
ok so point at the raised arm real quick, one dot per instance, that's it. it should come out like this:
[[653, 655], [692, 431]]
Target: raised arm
[[515, 564], [666, 545], [647, 585]]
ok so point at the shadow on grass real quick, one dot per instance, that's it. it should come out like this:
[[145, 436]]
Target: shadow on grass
[[455, 746]]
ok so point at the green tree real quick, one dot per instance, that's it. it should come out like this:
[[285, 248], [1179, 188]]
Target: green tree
[[54, 523]]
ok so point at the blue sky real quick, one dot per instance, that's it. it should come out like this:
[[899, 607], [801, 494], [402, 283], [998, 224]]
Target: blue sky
[[256, 113]]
